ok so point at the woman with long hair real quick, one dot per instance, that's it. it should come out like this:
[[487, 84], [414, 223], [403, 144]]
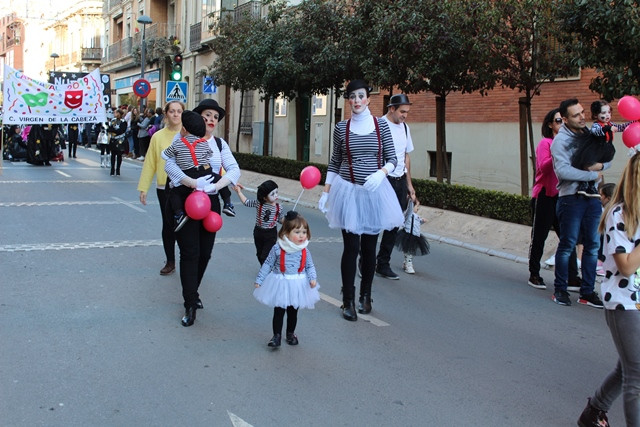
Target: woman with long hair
[[154, 166]]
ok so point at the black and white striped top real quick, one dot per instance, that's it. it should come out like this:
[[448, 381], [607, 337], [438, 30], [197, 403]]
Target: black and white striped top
[[179, 151], [363, 150], [267, 215], [217, 160]]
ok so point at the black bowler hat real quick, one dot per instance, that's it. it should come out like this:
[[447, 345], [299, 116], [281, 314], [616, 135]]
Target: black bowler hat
[[355, 85], [399, 99], [210, 104], [194, 123]]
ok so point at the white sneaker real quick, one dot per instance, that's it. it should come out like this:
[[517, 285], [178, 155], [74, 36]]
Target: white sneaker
[[551, 261], [141, 158], [407, 265]]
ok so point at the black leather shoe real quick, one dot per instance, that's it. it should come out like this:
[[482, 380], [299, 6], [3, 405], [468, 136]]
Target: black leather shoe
[[292, 339], [275, 341], [387, 273], [349, 311], [365, 304], [199, 304], [189, 316]]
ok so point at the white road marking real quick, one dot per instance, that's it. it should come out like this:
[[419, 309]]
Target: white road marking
[[63, 174], [128, 204], [237, 421], [366, 317]]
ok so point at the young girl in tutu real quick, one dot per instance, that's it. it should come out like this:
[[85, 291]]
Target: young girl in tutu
[[409, 239], [287, 279]]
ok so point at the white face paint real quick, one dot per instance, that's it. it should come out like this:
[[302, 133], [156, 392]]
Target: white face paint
[[273, 196], [358, 100]]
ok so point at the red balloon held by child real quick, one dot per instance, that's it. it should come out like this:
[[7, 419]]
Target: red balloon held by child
[[629, 107], [631, 135], [212, 222], [310, 177], [197, 205]]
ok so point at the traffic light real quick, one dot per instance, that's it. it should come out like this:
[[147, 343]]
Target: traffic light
[[176, 72]]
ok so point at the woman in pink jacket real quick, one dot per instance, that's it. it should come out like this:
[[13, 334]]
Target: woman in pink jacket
[[544, 196]]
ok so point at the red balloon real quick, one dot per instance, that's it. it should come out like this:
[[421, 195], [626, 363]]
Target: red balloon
[[212, 222], [197, 205], [631, 135], [629, 107], [310, 177]]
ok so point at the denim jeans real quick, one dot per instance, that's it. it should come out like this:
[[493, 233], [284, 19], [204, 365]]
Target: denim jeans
[[577, 215], [625, 378]]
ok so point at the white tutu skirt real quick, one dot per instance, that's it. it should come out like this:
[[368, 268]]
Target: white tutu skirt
[[283, 290], [352, 208]]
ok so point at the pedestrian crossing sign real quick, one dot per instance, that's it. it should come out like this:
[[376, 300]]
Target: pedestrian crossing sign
[[176, 91]]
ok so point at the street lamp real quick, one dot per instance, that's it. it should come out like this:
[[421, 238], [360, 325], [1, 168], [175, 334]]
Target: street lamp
[[54, 56], [144, 20]]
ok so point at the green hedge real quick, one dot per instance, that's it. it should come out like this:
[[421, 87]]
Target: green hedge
[[460, 198]]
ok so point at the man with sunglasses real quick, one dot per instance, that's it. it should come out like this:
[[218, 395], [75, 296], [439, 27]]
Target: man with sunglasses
[[576, 213]]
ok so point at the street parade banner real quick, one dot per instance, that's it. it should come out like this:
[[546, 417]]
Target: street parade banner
[[31, 102]]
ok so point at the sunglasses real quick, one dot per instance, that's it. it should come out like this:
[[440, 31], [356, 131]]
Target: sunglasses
[[558, 120]]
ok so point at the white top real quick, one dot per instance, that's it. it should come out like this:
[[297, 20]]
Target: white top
[[618, 292], [402, 141]]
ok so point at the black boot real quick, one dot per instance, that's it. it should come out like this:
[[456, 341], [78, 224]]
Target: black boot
[[275, 341], [365, 304], [349, 310], [189, 316]]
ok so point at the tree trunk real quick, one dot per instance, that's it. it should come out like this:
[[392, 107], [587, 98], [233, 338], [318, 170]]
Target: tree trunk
[[265, 134], [524, 167], [239, 122], [442, 162], [299, 127]]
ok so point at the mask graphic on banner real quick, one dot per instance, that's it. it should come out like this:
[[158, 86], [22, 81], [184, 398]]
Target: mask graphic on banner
[[73, 98], [39, 100]]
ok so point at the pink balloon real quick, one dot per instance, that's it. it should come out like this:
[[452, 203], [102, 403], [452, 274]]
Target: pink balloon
[[310, 177], [212, 222], [629, 107], [197, 205], [631, 135]]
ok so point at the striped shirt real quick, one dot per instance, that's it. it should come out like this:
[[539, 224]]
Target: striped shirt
[[267, 215], [364, 151], [217, 160], [179, 151]]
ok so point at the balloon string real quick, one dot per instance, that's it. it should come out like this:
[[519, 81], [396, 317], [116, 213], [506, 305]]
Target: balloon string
[[296, 203]]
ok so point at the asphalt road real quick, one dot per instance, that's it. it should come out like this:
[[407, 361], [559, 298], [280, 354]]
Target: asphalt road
[[91, 332]]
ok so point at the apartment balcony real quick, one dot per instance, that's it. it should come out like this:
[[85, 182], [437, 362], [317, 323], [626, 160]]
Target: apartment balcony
[[251, 9], [91, 54], [118, 55], [210, 21]]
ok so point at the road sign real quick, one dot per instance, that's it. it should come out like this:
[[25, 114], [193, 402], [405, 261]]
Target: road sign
[[176, 91], [142, 88], [208, 85]]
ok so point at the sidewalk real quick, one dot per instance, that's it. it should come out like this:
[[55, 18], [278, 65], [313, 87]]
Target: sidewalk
[[488, 236]]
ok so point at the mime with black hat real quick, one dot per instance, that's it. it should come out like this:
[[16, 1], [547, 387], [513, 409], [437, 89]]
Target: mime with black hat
[[357, 197]]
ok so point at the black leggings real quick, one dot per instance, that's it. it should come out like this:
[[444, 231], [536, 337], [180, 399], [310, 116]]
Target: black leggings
[[278, 317], [366, 245]]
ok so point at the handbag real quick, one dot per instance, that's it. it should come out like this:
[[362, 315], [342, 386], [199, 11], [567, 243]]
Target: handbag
[[118, 143], [103, 139]]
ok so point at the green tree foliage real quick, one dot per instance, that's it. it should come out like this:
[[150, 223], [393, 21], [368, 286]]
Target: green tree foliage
[[604, 35], [527, 38], [431, 45]]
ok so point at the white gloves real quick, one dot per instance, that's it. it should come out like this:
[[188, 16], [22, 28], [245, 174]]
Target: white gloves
[[323, 201], [210, 188], [202, 182], [373, 181]]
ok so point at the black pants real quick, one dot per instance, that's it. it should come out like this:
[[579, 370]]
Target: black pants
[[278, 319], [264, 239], [389, 236], [178, 195], [168, 235], [73, 147], [366, 245], [116, 161], [543, 209], [196, 245]]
